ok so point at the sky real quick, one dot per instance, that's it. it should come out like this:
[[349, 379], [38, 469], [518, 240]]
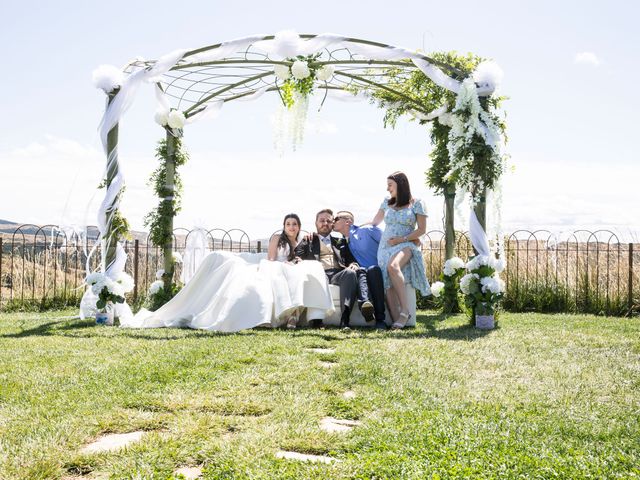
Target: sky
[[569, 70]]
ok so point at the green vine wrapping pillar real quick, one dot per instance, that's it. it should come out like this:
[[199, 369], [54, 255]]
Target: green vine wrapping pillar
[[169, 199]]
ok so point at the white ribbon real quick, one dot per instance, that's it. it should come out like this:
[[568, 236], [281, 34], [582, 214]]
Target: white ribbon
[[478, 235]]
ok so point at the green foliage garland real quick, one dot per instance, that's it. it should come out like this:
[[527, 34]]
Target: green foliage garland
[[159, 218]]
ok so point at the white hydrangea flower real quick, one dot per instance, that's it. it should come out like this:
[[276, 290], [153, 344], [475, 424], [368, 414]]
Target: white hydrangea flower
[[300, 69], [468, 283], [156, 286], [161, 117], [116, 288], [499, 265], [282, 72], [94, 277], [176, 119], [159, 274], [477, 262], [436, 289], [97, 286], [325, 72], [177, 258], [126, 281], [451, 265]]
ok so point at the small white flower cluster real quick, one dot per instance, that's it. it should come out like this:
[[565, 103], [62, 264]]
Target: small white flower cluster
[[122, 284], [498, 264], [173, 118], [177, 258], [436, 289], [301, 70], [156, 286], [452, 265]]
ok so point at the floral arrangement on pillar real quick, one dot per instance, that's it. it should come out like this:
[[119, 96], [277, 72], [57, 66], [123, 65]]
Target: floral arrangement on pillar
[[160, 219], [298, 76], [446, 291], [483, 288]]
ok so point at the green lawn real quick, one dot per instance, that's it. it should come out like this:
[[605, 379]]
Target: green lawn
[[543, 396]]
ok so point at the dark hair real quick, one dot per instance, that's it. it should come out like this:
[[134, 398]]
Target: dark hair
[[283, 241], [326, 210], [403, 191]]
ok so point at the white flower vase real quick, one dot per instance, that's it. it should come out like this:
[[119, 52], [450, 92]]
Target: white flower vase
[[485, 322], [106, 317]]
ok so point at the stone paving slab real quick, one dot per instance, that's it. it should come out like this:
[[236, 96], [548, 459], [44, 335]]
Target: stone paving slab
[[302, 457], [190, 473], [330, 424], [327, 351], [112, 442]]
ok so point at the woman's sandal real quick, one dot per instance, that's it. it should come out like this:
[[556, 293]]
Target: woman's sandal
[[401, 325]]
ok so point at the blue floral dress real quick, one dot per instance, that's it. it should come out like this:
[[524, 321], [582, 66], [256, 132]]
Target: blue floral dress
[[399, 223]]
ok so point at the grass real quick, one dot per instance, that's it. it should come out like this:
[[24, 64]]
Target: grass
[[540, 397]]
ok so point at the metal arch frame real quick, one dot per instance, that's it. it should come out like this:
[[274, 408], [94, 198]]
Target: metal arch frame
[[243, 73], [358, 69]]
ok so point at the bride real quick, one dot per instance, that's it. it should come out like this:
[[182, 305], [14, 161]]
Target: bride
[[231, 292]]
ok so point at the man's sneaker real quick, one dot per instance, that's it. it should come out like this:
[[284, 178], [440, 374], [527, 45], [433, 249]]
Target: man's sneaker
[[367, 311]]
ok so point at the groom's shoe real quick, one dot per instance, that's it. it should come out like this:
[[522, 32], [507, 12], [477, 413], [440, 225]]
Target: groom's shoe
[[315, 323], [344, 319], [367, 311]]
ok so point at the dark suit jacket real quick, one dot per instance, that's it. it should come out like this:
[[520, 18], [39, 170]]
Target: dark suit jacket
[[311, 250]]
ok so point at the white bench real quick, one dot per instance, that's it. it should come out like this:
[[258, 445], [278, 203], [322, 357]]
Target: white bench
[[357, 320]]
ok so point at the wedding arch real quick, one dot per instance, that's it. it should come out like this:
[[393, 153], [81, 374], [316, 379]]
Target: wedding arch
[[456, 93]]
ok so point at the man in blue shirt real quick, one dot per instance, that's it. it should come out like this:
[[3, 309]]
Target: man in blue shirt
[[363, 243]]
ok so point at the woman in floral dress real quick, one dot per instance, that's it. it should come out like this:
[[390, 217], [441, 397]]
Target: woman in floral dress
[[400, 259]]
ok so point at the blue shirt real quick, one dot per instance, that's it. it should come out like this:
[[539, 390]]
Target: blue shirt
[[363, 243]]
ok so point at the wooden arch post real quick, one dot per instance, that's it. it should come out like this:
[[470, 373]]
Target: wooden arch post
[[169, 199], [110, 235]]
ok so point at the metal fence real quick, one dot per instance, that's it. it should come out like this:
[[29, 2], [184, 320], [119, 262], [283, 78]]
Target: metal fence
[[584, 271]]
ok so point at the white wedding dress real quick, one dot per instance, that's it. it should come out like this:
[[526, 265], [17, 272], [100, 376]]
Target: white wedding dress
[[231, 292]]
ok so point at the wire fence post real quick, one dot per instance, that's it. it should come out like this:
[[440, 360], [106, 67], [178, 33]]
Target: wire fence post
[[630, 298], [136, 257]]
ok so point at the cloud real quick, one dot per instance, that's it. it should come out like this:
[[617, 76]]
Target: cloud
[[586, 58]]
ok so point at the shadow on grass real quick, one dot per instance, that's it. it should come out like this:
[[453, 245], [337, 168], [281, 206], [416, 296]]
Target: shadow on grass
[[88, 329]]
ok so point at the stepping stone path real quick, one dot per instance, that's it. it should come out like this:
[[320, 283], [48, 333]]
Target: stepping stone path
[[349, 394], [112, 442], [190, 473], [327, 351], [330, 424], [302, 457]]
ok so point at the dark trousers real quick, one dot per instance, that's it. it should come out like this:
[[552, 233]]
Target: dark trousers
[[347, 280], [371, 287]]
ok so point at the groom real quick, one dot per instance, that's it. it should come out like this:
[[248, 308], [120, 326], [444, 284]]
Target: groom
[[339, 266]]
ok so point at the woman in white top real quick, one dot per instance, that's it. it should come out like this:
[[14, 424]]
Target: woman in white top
[[296, 283]]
